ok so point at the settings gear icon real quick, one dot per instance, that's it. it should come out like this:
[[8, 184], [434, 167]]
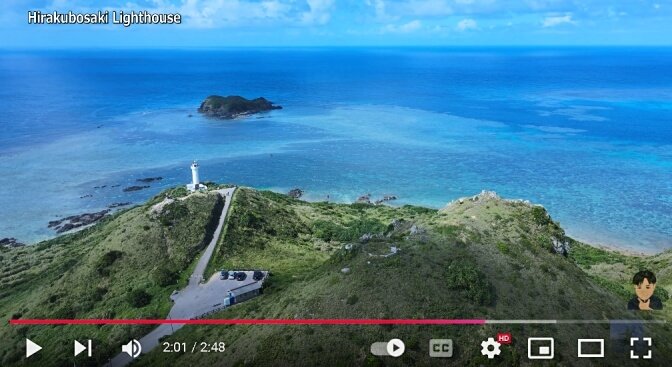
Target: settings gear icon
[[490, 348]]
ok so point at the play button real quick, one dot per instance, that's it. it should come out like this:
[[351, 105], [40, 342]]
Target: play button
[[396, 348], [31, 348]]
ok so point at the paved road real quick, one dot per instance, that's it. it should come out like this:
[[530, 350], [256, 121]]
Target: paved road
[[184, 300], [197, 275]]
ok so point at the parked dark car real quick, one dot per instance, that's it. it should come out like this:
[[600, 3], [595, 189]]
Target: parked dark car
[[258, 275], [240, 276]]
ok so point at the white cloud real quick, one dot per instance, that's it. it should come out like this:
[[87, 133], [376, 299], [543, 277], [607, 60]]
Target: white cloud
[[555, 21], [409, 27], [228, 13], [466, 25], [428, 8], [319, 13], [394, 10], [380, 9]]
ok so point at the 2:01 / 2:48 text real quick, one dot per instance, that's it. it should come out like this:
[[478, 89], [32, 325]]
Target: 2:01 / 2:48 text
[[196, 347]]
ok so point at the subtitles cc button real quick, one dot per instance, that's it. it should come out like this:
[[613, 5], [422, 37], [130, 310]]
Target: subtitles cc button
[[441, 348]]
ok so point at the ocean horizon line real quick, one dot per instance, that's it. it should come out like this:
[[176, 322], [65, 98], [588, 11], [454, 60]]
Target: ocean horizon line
[[442, 47]]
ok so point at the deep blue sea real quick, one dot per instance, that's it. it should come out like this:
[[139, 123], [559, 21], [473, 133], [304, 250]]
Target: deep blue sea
[[585, 132]]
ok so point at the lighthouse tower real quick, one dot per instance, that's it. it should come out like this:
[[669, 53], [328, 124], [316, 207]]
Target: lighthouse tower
[[195, 180], [194, 174]]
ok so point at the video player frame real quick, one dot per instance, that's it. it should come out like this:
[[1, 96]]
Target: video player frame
[[334, 183]]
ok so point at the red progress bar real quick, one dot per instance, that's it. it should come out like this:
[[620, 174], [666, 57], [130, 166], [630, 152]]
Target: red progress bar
[[248, 321]]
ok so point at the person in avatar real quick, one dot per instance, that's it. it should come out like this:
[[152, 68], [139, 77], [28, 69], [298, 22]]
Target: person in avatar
[[645, 283]]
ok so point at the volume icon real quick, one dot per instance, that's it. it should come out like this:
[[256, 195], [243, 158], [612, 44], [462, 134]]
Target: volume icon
[[133, 348], [79, 348]]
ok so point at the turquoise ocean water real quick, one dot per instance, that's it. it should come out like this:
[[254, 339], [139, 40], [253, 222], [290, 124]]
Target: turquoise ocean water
[[585, 132]]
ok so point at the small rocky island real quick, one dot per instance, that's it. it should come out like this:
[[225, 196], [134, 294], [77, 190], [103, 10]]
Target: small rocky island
[[231, 107]]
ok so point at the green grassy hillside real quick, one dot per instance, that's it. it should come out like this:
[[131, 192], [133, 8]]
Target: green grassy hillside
[[482, 257], [123, 267]]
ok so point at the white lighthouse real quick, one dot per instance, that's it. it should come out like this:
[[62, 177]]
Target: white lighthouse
[[195, 180]]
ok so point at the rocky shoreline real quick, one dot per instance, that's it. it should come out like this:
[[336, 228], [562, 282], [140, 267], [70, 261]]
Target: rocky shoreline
[[135, 188], [560, 244], [81, 220], [119, 205], [295, 193], [10, 242], [149, 179], [76, 221], [366, 199]]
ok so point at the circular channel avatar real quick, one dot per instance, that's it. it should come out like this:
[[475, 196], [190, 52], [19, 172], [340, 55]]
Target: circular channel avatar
[[645, 284]]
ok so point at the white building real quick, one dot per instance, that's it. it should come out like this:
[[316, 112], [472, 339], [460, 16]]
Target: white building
[[195, 180]]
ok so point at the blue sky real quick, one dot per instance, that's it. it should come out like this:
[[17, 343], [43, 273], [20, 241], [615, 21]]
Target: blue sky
[[233, 23]]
